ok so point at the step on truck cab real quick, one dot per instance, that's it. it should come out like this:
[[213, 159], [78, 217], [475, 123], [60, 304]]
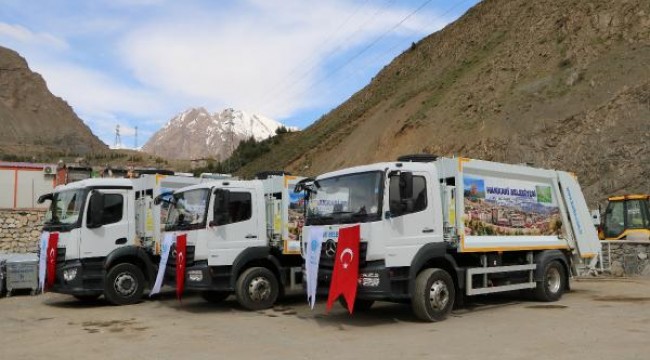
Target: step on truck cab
[[243, 237], [436, 230], [109, 235]]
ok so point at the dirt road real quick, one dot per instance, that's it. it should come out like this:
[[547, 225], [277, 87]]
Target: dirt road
[[599, 319]]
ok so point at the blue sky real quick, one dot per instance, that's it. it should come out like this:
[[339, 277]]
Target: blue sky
[[140, 62]]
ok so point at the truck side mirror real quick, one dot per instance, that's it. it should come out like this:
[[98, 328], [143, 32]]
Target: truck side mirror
[[45, 197], [405, 185], [221, 207], [95, 210], [407, 206], [163, 197]]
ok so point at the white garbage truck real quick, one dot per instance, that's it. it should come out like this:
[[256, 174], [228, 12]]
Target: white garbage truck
[[434, 230], [242, 237], [108, 235]]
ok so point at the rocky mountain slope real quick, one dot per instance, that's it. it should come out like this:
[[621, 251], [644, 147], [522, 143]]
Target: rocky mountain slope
[[195, 133], [561, 84], [31, 117]]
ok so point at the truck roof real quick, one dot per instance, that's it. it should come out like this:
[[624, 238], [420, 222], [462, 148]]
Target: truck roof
[[376, 167], [223, 183], [446, 167], [270, 185], [96, 182], [144, 182], [629, 197]]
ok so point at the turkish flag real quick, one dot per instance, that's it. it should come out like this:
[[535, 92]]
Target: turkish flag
[[346, 267], [52, 244], [181, 245]]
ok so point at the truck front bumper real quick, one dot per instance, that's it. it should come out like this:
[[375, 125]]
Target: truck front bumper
[[88, 280], [374, 282], [201, 277]]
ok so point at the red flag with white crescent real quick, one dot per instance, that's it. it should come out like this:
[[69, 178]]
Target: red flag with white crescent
[[52, 244], [181, 246], [346, 267]]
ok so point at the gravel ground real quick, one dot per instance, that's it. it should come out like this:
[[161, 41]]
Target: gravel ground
[[598, 319]]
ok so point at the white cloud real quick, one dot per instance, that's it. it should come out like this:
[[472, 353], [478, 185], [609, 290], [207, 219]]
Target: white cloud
[[97, 93], [20, 34], [103, 101], [247, 58]]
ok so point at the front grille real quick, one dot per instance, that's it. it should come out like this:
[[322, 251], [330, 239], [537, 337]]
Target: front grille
[[327, 262], [189, 260]]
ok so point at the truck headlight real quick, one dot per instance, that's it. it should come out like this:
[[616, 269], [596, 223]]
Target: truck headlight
[[195, 275], [70, 274]]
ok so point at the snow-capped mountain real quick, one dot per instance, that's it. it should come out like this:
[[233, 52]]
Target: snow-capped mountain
[[196, 134]]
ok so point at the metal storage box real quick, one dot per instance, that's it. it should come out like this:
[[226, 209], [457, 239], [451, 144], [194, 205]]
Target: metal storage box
[[22, 272]]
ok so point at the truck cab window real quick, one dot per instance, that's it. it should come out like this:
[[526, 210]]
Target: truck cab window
[[240, 207], [113, 208], [614, 219], [636, 216], [398, 206]]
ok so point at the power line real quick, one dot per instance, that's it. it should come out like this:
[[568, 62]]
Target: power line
[[373, 43], [310, 58], [118, 138], [363, 50], [314, 66], [392, 48], [370, 45]]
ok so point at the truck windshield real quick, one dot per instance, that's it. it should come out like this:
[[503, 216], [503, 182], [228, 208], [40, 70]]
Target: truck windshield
[[188, 210], [64, 210], [345, 199]]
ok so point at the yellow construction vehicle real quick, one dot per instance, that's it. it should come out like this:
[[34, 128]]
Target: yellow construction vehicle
[[626, 217]]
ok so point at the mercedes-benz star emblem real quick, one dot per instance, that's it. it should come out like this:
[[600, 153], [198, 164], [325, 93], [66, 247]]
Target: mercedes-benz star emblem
[[330, 248]]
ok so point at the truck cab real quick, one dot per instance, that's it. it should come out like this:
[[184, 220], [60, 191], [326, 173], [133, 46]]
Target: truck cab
[[626, 217], [108, 231], [242, 238]]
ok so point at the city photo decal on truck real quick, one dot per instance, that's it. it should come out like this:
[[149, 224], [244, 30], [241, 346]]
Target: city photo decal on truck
[[497, 206]]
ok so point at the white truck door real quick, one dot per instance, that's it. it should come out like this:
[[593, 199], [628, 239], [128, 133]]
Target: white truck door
[[241, 230], [114, 232], [409, 229]]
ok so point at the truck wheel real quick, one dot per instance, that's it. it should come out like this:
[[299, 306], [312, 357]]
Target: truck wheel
[[553, 283], [215, 296], [434, 295], [359, 305], [87, 298], [124, 284], [257, 288]]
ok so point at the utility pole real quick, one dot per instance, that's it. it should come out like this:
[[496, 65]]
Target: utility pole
[[135, 142], [118, 139], [231, 142]]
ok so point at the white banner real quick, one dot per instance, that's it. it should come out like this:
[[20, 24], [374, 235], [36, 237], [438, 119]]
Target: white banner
[[42, 259], [312, 260], [167, 242]]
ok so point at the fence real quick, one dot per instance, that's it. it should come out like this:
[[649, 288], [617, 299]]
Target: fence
[[626, 258]]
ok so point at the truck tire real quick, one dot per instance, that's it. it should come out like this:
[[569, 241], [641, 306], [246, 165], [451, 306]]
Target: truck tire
[[553, 282], [359, 304], [257, 288], [124, 284], [433, 296], [215, 296]]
